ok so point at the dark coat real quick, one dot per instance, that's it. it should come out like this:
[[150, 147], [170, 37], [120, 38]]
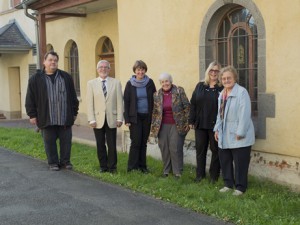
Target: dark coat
[[130, 101], [198, 116], [36, 102]]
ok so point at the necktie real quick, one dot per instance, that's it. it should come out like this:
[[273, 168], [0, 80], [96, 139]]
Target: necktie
[[104, 88]]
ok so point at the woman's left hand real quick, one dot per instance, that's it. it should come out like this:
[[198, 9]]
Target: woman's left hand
[[187, 128], [239, 137]]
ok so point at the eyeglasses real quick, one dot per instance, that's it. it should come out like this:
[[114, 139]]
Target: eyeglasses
[[226, 78], [214, 71], [103, 67]]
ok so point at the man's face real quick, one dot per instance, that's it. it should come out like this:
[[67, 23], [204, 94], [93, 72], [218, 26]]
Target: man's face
[[51, 63], [103, 70]]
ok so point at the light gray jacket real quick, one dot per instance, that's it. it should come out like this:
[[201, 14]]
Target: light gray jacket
[[237, 120]]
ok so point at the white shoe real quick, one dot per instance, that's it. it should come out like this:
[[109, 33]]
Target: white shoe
[[237, 193], [225, 189]]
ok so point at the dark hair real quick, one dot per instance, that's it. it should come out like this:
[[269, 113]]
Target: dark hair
[[139, 64], [51, 53]]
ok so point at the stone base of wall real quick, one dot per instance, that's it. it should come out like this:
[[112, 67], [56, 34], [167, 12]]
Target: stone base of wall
[[11, 114], [277, 168]]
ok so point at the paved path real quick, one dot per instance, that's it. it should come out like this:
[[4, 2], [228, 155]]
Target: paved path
[[30, 194]]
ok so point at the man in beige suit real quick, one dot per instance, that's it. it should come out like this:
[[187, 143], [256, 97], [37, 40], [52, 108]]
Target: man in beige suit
[[105, 114]]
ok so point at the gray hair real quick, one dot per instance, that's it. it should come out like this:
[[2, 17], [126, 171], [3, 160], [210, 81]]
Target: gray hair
[[103, 61], [165, 76]]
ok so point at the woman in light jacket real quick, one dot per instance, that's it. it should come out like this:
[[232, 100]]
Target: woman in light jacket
[[169, 120], [234, 132]]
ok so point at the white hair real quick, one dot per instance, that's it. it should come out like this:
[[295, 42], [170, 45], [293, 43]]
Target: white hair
[[165, 76], [103, 61]]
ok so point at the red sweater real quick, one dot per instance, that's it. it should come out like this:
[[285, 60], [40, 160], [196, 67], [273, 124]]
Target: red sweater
[[167, 117]]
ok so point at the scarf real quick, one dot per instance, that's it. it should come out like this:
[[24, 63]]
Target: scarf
[[139, 83], [224, 98]]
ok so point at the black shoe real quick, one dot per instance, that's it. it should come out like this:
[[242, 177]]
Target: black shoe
[[165, 175], [177, 176], [112, 171], [67, 166], [54, 167], [103, 170], [213, 180], [144, 170], [198, 179]]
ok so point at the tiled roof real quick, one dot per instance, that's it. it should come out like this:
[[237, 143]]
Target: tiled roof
[[13, 39]]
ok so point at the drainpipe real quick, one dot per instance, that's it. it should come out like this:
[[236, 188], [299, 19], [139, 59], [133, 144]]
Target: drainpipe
[[33, 17]]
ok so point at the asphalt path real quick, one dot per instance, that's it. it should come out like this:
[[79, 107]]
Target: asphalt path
[[30, 194]]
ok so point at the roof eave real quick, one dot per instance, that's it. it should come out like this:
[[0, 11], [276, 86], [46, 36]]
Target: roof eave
[[14, 50], [25, 2]]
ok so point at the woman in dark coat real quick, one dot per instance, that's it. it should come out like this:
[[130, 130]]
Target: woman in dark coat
[[138, 105], [203, 115]]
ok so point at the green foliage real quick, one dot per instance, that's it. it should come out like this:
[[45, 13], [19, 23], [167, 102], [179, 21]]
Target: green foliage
[[263, 203]]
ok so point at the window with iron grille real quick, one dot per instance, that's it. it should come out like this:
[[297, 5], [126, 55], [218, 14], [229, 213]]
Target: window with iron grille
[[237, 45], [74, 66], [31, 69]]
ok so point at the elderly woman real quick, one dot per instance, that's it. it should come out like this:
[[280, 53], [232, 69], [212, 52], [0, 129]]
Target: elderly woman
[[169, 120], [138, 104], [203, 115], [234, 132]]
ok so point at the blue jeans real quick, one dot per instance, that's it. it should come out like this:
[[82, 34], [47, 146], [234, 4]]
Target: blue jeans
[[50, 135]]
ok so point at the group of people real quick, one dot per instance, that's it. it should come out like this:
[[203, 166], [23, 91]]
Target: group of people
[[219, 111]]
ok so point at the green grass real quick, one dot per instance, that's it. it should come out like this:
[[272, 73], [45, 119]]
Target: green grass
[[263, 203]]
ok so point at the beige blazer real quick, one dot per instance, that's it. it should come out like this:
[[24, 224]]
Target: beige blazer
[[98, 106]]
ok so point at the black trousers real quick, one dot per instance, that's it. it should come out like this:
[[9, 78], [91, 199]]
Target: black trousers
[[205, 137], [139, 133], [50, 135], [237, 174], [107, 156]]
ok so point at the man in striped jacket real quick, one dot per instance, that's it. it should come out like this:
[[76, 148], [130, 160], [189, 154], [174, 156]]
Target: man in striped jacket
[[52, 105]]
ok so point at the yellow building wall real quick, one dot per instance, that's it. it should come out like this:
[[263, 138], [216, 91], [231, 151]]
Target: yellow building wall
[[86, 32], [282, 61], [165, 34], [20, 61]]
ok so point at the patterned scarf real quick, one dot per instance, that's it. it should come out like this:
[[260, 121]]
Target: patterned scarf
[[224, 98]]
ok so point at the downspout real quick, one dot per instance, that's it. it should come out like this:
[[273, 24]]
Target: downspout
[[38, 64]]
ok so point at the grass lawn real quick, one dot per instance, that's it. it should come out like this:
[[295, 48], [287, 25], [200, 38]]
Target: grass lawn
[[263, 203]]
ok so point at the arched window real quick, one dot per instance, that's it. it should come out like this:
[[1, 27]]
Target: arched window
[[237, 45], [74, 66], [107, 53]]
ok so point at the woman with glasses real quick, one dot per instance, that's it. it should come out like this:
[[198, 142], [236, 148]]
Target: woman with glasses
[[138, 104], [234, 132], [203, 115]]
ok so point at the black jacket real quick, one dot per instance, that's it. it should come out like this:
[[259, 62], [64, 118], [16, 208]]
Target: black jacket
[[130, 101], [200, 118], [36, 102]]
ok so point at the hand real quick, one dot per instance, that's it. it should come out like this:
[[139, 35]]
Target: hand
[[239, 137], [128, 124], [187, 128], [93, 125], [119, 123], [217, 136], [33, 121], [191, 126]]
